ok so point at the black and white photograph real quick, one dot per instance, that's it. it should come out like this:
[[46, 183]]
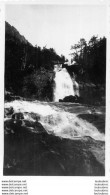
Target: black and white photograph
[[55, 90]]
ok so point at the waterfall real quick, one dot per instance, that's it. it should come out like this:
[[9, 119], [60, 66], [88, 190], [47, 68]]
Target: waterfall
[[64, 84]]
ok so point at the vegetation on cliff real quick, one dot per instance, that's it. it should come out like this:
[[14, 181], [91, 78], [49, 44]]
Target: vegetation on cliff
[[90, 60], [28, 69]]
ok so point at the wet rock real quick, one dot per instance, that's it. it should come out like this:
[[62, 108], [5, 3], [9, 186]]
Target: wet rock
[[97, 120], [20, 126], [11, 123], [33, 126], [27, 123], [31, 116], [70, 98], [8, 111], [26, 116], [18, 116], [12, 126], [39, 128], [8, 126], [34, 116]]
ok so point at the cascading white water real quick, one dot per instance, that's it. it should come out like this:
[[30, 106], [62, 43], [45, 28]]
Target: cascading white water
[[75, 87], [64, 85], [56, 121]]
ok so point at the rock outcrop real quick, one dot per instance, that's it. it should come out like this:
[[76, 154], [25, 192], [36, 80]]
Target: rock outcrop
[[73, 99]]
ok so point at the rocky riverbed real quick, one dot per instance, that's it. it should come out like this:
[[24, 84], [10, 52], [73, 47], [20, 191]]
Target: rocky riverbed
[[63, 139]]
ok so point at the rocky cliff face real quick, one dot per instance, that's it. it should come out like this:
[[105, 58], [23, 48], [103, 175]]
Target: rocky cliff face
[[89, 92]]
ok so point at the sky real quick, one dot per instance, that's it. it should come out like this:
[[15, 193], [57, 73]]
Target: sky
[[57, 26]]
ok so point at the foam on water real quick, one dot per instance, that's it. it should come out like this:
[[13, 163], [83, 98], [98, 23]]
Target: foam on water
[[68, 125], [58, 121], [26, 106]]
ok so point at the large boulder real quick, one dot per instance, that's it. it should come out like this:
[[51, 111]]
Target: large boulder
[[8, 111], [21, 126], [18, 116], [26, 115], [71, 98]]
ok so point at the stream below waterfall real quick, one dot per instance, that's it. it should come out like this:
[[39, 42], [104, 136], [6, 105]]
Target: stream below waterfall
[[54, 139]]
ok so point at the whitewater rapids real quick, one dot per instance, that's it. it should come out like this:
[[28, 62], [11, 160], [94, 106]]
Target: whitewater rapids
[[57, 121]]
